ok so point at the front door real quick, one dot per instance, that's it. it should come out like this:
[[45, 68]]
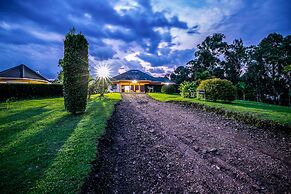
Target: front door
[[126, 88]]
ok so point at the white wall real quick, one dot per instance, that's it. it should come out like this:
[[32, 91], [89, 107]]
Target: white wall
[[118, 88]]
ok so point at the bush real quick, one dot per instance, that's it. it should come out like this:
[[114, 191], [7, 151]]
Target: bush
[[168, 89], [21, 91], [216, 89], [76, 73], [188, 89], [92, 88]]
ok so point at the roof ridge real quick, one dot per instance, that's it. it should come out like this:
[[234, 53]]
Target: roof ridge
[[139, 75], [22, 69]]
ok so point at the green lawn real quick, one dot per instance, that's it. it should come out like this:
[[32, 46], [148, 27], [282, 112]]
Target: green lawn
[[43, 148], [263, 111]]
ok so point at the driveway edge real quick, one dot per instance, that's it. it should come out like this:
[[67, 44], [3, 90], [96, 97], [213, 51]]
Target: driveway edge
[[246, 118]]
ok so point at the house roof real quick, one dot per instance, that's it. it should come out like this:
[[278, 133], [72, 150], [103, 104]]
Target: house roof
[[139, 75], [21, 71]]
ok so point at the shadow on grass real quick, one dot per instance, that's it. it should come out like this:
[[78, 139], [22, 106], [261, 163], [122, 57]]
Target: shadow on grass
[[21, 114], [12, 130], [68, 170], [56, 151], [23, 164]]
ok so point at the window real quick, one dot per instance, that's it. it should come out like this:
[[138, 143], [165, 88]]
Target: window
[[136, 87]]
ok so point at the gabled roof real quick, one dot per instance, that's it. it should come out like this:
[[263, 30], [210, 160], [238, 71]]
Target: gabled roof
[[164, 79], [139, 75], [134, 75], [21, 71]]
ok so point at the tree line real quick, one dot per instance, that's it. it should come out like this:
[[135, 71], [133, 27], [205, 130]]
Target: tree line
[[259, 72]]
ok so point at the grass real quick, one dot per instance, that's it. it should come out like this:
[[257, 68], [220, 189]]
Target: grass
[[45, 149], [263, 111]]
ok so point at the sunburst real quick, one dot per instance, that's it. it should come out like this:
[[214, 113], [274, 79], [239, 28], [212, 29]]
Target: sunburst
[[103, 71]]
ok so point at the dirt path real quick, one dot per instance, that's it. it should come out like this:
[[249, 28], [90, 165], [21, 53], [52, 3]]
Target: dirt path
[[156, 147]]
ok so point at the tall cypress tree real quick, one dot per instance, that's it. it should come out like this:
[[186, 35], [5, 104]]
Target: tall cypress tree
[[76, 72]]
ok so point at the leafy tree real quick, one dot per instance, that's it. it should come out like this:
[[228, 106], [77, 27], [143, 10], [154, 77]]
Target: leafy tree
[[218, 72], [242, 86], [168, 89], [102, 86], [208, 56], [76, 73], [203, 75], [60, 77], [210, 50], [287, 50], [197, 70], [287, 64], [256, 75], [287, 69], [270, 53], [259, 71], [235, 58], [180, 74], [92, 86]]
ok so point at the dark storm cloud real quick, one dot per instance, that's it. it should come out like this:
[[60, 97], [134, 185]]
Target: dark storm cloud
[[102, 52], [60, 16], [32, 31], [155, 60], [31, 22], [48, 14], [171, 59], [18, 37]]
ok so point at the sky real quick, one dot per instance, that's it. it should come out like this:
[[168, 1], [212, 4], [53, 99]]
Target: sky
[[154, 36]]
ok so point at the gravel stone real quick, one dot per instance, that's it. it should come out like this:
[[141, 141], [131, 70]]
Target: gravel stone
[[156, 147]]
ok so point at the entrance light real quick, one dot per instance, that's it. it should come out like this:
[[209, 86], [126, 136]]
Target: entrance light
[[134, 81]]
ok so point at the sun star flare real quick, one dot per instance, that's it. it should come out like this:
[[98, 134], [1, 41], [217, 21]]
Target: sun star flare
[[103, 71]]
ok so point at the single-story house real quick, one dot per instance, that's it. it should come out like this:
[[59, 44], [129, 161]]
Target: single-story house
[[22, 74], [138, 81]]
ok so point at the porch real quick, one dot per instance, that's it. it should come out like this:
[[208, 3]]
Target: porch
[[135, 86], [132, 86]]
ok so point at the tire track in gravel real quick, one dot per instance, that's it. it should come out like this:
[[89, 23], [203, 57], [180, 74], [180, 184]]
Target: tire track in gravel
[[153, 147]]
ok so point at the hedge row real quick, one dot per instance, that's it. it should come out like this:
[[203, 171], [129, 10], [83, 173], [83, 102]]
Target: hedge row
[[247, 118], [21, 91]]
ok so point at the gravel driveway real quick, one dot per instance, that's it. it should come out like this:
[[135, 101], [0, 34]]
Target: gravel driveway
[[155, 147]]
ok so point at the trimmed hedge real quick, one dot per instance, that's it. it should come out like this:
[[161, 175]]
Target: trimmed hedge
[[76, 72], [21, 91], [168, 89], [216, 89]]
